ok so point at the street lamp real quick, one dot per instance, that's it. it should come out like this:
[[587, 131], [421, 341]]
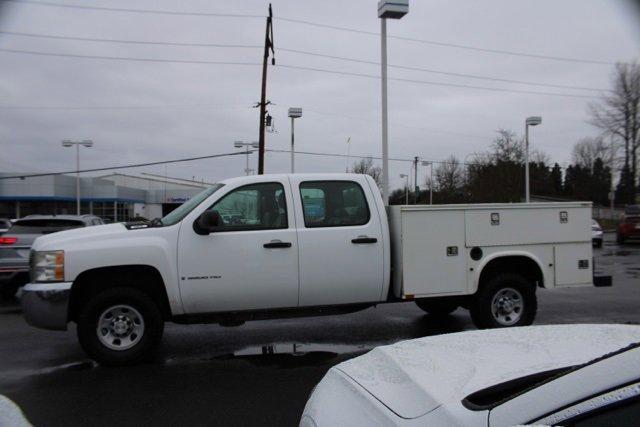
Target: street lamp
[[430, 164], [406, 188], [241, 144], [530, 121], [394, 9], [85, 143], [294, 113]]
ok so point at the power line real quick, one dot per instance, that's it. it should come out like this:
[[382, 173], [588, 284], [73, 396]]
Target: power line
[[293, 67], [296, 51], [120, 41], [121, 9], [452, 45], [137, 165], [319, 25], [125, 58], [121, 107], [425, 82]]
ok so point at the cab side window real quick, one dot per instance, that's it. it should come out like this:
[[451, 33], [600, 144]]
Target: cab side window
[[253, 207], [333, 204]]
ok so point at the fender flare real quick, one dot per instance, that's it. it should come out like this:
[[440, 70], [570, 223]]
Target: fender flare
[[487, 260]]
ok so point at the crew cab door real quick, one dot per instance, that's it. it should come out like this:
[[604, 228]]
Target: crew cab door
[[250, 261], [339, 241]]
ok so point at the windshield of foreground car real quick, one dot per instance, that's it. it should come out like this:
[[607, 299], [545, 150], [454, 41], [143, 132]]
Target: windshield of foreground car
[[181, 211]]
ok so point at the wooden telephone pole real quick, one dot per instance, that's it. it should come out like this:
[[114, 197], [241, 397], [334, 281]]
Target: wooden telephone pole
[[268, 45]]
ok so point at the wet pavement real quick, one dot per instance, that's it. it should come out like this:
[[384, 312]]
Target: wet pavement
[[260, 373]]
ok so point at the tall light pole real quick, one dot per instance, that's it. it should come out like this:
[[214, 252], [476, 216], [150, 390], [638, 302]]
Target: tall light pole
[[530, 121], [406, 188], [394, 9], [85, 143], [294, 113], [241, 144], [430, 164]]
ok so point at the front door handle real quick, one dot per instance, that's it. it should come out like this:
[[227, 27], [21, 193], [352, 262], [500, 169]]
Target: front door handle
[[277, 244], [364, 239]]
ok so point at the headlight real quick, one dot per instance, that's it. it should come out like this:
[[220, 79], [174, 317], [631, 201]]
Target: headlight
[[47, 266]]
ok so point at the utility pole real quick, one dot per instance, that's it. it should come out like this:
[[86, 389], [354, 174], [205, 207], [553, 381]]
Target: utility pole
[[415, 180], [268, 45]]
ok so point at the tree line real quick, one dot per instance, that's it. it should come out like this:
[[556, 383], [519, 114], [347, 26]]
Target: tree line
[[497, 174]]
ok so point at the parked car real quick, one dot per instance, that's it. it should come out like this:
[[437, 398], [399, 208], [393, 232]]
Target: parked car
[[596, 234], [277, 258], [5, 224], [15, 245], [629, 226], [573, 375]]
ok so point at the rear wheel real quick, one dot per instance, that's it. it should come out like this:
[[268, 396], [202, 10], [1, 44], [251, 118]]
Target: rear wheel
[[437, 307], [120, 326], [506, 300]]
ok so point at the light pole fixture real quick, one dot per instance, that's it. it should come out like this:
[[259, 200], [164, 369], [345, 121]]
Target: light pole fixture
[[430, 164], [530, 121], [247, 145], [393, 9], [406, 188], [85, 143], [294, 113]]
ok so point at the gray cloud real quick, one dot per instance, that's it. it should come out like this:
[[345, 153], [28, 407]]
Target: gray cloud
[[207, 107]]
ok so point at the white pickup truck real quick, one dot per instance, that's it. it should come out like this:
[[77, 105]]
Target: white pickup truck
[[275, 246]]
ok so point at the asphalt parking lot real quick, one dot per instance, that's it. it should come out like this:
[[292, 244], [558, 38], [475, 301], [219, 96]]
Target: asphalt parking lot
[[260, 373]]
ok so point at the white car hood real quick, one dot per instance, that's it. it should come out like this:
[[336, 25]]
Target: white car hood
[[63, 239], [412, 378]]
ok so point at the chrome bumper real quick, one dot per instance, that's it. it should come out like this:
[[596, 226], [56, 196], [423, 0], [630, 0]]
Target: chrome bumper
[[46, 305]]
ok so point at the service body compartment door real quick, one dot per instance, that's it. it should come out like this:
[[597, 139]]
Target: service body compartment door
[[573, 264], [434, 260]]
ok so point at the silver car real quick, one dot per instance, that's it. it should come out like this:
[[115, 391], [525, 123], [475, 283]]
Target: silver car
[[15, 245]]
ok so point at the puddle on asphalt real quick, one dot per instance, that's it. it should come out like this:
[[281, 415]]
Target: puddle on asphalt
[[281, 354], [293, 354]]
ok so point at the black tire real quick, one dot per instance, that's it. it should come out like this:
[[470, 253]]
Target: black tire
[[597, 243], [481, 309], [437, 307], [90, 313]]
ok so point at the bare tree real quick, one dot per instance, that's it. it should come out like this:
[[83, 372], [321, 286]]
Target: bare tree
[[508, 147], [618, 114], [588, 149], [450, 176], [366, 166], [540, 157]]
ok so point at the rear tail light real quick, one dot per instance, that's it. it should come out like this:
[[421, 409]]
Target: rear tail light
[[8, 240]]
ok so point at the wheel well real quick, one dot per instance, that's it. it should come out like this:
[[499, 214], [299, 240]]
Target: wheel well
[[142, 277], [517, 264]]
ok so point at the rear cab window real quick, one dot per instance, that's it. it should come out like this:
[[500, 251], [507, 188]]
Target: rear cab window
[[333, 204], [44, 226]]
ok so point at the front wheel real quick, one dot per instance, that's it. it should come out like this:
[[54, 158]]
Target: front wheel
[[120, 326], [506, 300]]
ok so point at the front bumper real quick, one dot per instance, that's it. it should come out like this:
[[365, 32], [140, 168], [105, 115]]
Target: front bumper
[[46, 305]]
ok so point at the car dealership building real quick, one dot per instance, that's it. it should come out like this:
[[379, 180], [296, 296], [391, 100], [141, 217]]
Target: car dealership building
[[113, 197]]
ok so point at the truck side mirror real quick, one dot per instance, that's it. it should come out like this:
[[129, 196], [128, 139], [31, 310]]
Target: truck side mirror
[[207, 222]]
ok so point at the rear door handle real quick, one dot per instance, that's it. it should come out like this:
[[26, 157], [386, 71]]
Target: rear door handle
[[364, 239], [277, 244]]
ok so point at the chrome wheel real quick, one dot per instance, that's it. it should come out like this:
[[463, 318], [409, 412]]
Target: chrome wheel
[[507, 306], [120, 327]]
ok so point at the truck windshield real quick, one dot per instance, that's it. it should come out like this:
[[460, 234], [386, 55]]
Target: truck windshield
[[181, 211]]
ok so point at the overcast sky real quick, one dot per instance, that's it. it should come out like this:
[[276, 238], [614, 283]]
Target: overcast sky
[[147, 111]]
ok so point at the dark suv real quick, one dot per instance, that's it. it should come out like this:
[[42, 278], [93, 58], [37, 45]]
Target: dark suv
[[15, 245]]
